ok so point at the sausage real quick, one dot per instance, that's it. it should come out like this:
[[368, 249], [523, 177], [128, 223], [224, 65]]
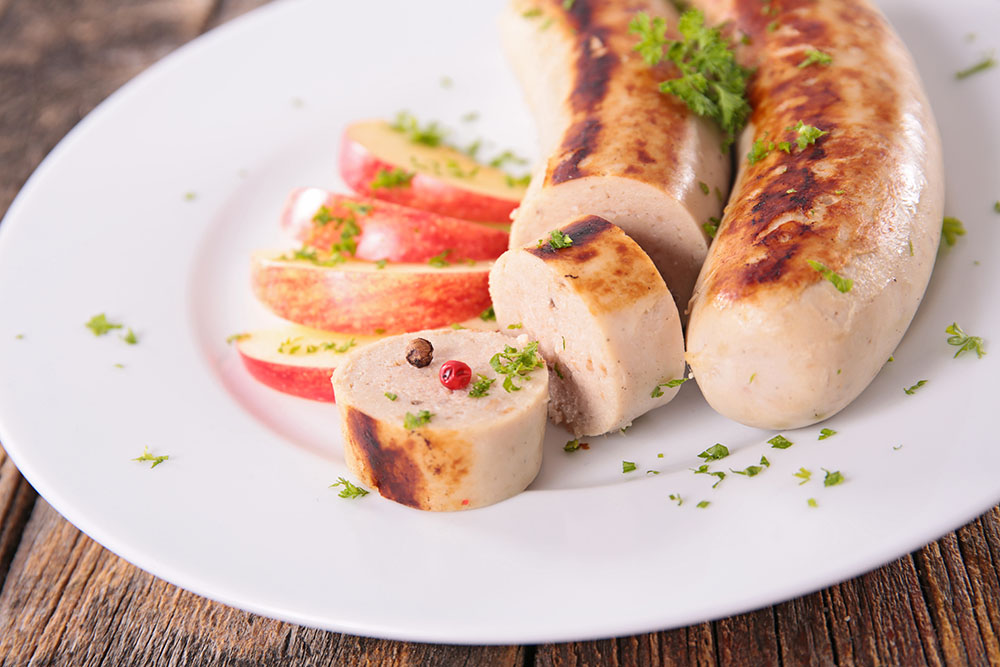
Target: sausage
[[616, 147], [588, 304], [772, 342], [473, 451]]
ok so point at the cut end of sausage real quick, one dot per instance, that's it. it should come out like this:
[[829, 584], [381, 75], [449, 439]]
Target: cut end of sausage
[[587, 304]]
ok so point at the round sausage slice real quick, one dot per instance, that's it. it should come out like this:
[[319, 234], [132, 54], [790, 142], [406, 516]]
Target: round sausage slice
[[433, 448], [604, 319]]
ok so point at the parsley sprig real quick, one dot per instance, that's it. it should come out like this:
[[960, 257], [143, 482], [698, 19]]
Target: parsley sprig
[[413, 421], [712, 83], [964, 342], [350, 490], [514, 363], [148, 456]]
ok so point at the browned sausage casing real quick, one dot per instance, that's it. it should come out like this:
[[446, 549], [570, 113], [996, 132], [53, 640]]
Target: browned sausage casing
[[772, 343]]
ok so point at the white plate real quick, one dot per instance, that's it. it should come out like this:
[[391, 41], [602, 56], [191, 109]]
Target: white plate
[[242, 511]]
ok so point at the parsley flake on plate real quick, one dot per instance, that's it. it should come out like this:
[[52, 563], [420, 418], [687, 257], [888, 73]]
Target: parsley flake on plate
[[780, 442], [628, 466], [100, 325], [148, 456], [703, 504], [826, 433], [964, 342], [715, 452], [350, 490], [951, 229], [804, 475], [832, 478], [909, 391], [982, 65]]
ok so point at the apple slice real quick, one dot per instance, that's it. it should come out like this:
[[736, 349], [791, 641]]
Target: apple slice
[[358, 297], [388, 231], [444, 180], [299, 360]]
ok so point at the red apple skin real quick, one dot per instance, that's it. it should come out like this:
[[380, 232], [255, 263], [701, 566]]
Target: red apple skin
[[303, 381], [354, 298], [358, 167], [390, 231]]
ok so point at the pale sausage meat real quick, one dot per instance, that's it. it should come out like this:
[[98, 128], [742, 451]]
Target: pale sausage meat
[[830, 234], [604, 320], [433, 448], [613, 145]]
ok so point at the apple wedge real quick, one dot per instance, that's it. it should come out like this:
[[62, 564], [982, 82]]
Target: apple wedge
[[297, 361], [357, 297], [388, 231], [433, 178]]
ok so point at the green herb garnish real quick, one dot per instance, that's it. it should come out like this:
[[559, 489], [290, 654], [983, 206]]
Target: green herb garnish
[[951, 229], [428, 135], [804, 475], [715, 453], [391, 178], [572, 445], [488, 315], [812, 502], [349, 490], [712, 83], [628, 466], [481, 387], [911, 390], [964, 342], [677, 497], [808, 134], [780, 442], [391, 396], [984, 64], [703, 504], [147, 456], [816, 57], [657, 391], [703, 470], [832, 478], [440, 260], [130, 337], [826, 433], [760, 150], [411, 421], [557, 239], [711, 227], [100, 325], [514, 363], [842, 284]]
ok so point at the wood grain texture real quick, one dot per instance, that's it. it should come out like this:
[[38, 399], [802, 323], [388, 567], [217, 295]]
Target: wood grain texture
[[66, 600]]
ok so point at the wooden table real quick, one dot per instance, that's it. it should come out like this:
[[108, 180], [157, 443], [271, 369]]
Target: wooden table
[[66, 600]]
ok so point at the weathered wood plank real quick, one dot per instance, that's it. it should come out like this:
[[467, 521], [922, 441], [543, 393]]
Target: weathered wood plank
[[69, 601], [802, 631], [17, 499], [748, 639]]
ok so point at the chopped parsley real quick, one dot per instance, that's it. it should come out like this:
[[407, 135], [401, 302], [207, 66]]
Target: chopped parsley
[[568, 4], [703, 504], [516, 325], [912, 390], [236, 337], [517, 182], [964, 342], [826, 433], [507, 157], [760, 150], [814, 57], [832, 478], [804, 475], [558, 239], [703, 470], [808, 134], [749, 471], [532, 13], [392, 178], [628, 466], [380, 263], [147, 456], [100, 325], [982, 65], [130, 337], [812, 502], [391, 396], [440, 260], [572, 445], [951, 229], [996, 206], [780, 442], [676, 497], [704, 188], [842, 284], [428, 135], [411, 421], [488, 315], [514, 363], [481, 387], [657, 391], [712, 83], [715, 452], [350, 490], [764, 462]]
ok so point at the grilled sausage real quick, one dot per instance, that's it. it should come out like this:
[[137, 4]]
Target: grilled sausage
[[616, 147], [589, 304], [772, 340], [473, 451]]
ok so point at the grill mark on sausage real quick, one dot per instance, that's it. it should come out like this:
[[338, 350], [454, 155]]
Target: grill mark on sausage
[[397, 476], [583, 232], [594, 66], [578, 142]]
